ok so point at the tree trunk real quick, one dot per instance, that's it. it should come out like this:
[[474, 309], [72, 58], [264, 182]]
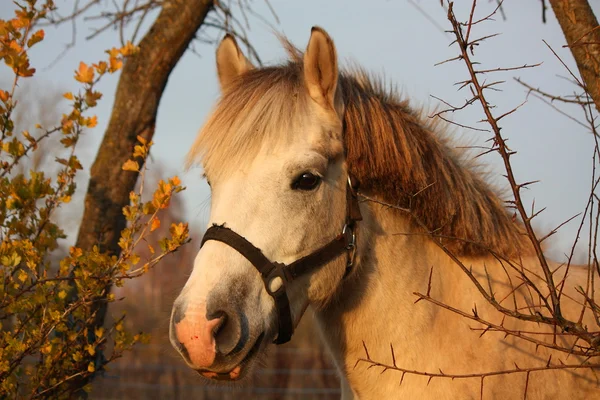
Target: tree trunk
[[140, 88], [581, 30], [141, 85]]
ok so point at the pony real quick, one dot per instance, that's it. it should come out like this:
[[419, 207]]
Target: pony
[[329, 191]]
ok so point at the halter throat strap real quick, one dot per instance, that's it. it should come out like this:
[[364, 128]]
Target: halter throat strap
[[277, 276]]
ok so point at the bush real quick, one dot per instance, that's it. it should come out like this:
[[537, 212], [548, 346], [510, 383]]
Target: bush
[[51, 342]]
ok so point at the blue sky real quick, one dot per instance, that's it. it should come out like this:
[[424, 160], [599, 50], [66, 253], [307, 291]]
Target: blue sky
[[393, 38]]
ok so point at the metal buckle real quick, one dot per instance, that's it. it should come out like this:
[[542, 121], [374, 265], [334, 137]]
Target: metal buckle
[[351, 246]]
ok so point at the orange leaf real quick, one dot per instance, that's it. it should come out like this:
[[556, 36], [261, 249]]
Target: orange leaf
[[92, 121], [85, 74], [36, 37], [155, 224], [68, 96], [131, 165]]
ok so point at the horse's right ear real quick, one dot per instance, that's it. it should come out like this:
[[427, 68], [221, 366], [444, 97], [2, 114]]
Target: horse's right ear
[[231, 62], [321, 68]]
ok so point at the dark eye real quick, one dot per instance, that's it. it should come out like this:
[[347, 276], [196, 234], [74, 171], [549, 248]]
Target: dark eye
[[306, 181]]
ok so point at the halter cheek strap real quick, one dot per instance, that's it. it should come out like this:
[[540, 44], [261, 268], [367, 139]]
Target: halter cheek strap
[[276, 276]]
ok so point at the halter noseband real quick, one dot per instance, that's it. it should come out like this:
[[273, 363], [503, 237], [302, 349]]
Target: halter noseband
[[276, 276]]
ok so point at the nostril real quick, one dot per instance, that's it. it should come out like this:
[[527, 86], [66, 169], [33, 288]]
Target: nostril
[[218, 327]]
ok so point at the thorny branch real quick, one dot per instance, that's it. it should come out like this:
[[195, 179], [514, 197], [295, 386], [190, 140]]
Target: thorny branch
[[480, 375]]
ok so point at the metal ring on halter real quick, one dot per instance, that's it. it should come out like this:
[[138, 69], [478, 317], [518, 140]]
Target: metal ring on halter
[[350, 187], [351, 246]]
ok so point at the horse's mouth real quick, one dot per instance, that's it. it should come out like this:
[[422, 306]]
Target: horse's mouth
[[239, 371]]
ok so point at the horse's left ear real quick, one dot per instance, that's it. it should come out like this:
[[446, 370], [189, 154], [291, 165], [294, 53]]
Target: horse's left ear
[[231, 62], [320, 68]]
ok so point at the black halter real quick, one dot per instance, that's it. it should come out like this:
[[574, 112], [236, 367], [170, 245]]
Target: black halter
[[270, 271]]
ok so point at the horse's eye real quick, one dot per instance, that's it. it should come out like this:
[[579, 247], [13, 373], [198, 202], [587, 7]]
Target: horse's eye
[[306, 181]]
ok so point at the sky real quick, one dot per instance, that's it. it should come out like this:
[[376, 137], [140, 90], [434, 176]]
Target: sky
[[401, 40]]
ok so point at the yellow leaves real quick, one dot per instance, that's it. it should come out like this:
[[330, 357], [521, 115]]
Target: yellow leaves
[[75, 252], [12, 261], [91, 350], [67, 125], [115, 60], [129, 49], [180, 230], [131, 165], [84, 74], [62, 294]]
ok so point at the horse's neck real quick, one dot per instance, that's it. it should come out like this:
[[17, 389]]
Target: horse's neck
[[374, 305], [375, 310]]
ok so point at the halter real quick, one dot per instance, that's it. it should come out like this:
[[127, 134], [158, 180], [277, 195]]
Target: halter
[[276, 276]]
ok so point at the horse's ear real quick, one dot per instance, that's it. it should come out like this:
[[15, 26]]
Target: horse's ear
[[231, 62], [320, 68]]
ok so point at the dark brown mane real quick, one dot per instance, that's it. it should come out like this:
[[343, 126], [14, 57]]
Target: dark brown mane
[[396, 154], [400, 159]]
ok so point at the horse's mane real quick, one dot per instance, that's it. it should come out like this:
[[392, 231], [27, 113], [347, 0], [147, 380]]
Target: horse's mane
[[398, 156]]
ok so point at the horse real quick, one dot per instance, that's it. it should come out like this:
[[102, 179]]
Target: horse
[[330, 191]]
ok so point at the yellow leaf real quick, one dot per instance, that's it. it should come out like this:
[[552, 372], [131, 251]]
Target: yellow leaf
[[115, 64], [84, 74], [175, 180], [36, 37], [92, 122], [131, 165], [68, 96], [151, 249], [62, 294], [141, 139], [129, 49], [101, 67], [90, 349], [155, 224], [114, 52], [4, 96], [99, 332], [65, 199], [22, 276], [91, 367]]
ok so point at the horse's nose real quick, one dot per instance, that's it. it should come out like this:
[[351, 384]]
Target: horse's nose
[[195, 335]]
